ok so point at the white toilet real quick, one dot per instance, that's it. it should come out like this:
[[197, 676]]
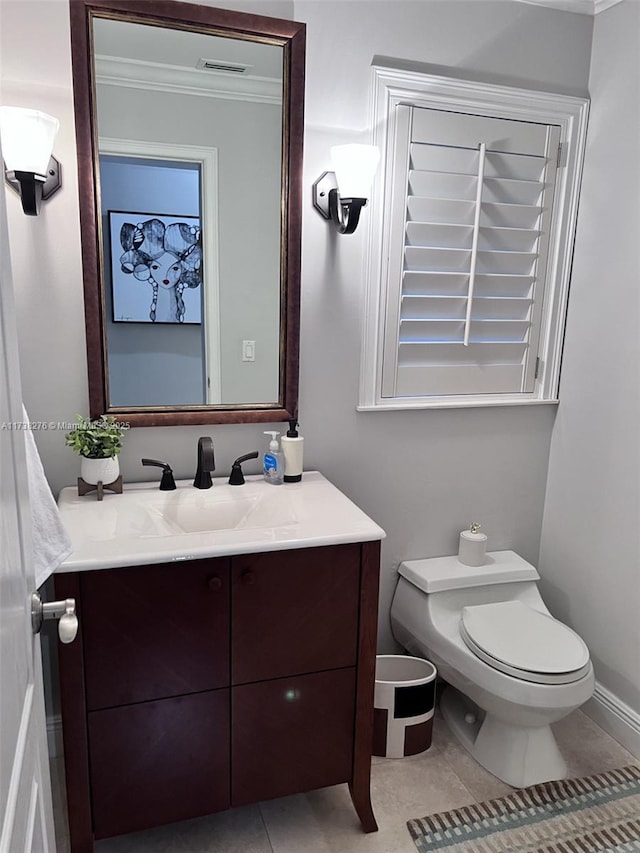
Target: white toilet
[[512, 668]]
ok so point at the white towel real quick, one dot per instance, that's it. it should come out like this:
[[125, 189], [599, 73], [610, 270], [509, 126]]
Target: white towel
[[51, 543]]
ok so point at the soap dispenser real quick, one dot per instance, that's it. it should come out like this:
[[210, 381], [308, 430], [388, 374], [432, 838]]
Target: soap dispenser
[[273, 465], [292, 445]]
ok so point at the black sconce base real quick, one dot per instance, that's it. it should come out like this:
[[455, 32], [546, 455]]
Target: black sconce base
[[343, 212], [33, 188], [325, 183]]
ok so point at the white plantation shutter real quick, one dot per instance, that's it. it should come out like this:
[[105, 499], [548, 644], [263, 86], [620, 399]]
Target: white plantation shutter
[[469, 233]]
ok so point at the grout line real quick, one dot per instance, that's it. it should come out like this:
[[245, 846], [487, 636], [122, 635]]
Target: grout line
[[266, 829]]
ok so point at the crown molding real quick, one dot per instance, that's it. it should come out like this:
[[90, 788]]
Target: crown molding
[[579, 7], [601, 5], [178, 80]]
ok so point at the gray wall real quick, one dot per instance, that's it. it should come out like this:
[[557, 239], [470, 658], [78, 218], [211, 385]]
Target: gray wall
[[421, 475], [590, 550]]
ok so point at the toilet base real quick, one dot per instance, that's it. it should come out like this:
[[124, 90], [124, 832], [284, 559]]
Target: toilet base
[[519, 756]]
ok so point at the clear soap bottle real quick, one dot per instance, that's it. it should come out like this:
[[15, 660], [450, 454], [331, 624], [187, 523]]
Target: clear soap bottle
[[273, 463]]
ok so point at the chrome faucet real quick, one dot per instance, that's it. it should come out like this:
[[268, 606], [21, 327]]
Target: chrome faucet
[[206, 463]]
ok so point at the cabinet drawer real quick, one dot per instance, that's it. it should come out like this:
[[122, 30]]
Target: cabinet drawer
[[294, 612], [291, 735], [159, 762], [155, 631]]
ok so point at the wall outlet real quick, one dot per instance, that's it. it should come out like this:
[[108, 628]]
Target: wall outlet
[[248, 350]]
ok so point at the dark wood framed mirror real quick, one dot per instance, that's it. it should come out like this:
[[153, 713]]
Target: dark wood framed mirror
[[189, 127]]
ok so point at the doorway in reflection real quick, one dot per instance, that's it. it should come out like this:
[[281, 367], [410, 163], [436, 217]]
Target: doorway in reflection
[[154, 306]]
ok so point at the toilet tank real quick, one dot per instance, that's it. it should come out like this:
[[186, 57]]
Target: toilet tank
[[439, 574], [431, 593]]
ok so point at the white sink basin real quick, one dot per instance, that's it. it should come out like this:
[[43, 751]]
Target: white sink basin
[[199, 511], [189, 513], [145, 525]]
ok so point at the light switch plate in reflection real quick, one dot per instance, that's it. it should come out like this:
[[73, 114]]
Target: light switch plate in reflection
[[248, 350]]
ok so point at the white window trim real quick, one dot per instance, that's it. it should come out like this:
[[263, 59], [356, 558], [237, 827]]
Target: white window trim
[[391, 87]]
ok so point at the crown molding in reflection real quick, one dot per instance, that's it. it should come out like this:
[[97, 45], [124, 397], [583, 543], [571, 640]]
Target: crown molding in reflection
[[137, 74], [580, 7]]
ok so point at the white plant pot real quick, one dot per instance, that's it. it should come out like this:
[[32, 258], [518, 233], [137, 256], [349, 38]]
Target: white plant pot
[[94, 471]]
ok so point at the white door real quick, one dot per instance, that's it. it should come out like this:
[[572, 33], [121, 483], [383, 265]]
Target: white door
[[25, 788]]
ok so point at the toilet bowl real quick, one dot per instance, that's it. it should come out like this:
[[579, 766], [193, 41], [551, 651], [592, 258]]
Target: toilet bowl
[[511, 668]]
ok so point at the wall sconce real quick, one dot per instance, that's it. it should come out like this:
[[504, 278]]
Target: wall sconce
[[340, 195], [27, 142]]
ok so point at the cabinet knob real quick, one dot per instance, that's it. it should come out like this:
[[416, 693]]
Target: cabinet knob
[[215, 583], [247, 577]]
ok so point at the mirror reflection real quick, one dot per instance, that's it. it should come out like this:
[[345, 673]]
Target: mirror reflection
[[189, 130]]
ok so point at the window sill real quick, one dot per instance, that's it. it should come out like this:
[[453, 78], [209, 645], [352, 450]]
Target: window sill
[[440, 403]]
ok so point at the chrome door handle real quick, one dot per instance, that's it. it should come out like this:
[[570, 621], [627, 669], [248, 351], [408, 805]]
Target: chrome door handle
[[65, 611]]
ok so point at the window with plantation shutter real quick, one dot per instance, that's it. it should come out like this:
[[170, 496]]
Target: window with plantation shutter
[[473, 269], [468, 249]]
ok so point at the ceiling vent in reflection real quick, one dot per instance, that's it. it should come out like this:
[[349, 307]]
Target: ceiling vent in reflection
[[225, 67]]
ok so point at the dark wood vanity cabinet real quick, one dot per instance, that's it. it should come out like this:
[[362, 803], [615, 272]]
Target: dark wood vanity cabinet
[[157, 698], [148, 631], [199, 685]]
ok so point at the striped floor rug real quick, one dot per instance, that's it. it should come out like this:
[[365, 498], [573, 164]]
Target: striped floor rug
[[595, 813]]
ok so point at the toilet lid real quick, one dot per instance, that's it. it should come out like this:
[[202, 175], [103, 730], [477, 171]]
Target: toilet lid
[[521, 641]]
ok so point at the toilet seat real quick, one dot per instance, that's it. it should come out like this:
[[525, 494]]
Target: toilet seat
[[520, 641]]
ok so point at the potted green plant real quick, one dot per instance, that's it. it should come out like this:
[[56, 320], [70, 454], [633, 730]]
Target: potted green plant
[[98, 443]]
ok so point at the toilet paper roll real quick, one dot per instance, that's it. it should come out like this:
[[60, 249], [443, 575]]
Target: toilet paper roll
[[472, 547]]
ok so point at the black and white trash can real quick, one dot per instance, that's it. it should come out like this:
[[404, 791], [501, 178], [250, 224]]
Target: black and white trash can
[[404, 704]]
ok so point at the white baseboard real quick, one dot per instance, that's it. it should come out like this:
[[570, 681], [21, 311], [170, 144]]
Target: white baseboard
[[615, 717], [54, 736]]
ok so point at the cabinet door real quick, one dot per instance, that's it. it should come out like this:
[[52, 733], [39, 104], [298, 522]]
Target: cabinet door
[[159, 762], [294, 612], [291, 735], [155, 631]]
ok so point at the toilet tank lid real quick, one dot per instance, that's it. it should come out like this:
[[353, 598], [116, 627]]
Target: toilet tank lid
[[437, 574]]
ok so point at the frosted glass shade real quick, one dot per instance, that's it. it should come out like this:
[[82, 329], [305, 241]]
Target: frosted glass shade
[[355, 166], [27, 139]]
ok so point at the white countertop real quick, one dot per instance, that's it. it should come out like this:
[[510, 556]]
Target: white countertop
[[145, 525]]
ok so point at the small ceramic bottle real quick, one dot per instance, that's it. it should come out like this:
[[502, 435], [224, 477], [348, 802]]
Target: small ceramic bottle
[[472, 546], [292, 447]]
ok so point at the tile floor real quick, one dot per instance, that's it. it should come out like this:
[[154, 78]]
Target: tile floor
[[323, 821]]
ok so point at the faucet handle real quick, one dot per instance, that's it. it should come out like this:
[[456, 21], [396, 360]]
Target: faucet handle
[[237, 477], [167, 483]]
